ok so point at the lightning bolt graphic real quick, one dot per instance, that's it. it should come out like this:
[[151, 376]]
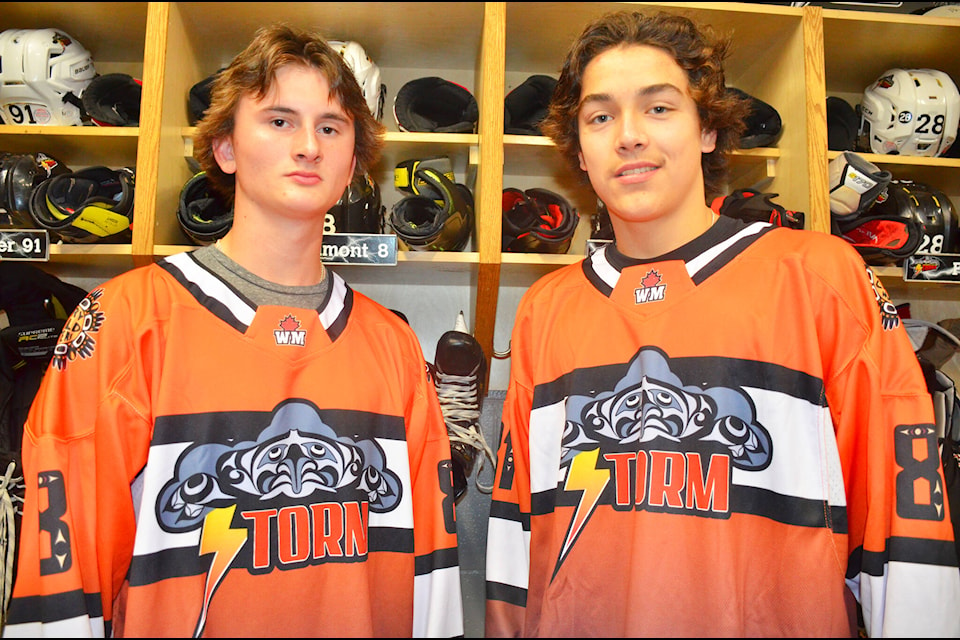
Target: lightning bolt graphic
[[583, 476], [224, 543]]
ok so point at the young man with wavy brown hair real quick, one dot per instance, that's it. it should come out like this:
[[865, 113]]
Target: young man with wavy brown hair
[[712, 427]]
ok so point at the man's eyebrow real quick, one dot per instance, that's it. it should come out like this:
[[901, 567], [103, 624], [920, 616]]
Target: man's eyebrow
[[663, 87], [329, 115]]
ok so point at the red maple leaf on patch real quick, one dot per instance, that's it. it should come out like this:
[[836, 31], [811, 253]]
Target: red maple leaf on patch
[[652, 279], [290, 324]]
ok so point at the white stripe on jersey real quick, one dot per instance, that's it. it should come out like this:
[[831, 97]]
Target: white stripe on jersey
[[546, 434], [334, 308], [437, 604], [804, 464], [705, 258], [213, 287], [512, 565]]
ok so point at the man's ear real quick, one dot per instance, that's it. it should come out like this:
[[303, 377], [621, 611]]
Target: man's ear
[[708, 141], [223, 154]]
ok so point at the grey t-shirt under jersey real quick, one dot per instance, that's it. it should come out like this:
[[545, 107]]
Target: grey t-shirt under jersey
[[258, 290]]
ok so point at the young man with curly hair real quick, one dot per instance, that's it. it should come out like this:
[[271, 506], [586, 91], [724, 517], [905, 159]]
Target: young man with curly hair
[[712, 427], [233, 442]]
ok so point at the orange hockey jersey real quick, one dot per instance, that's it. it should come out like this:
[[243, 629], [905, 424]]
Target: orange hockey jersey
[[200, 466], [734, 439]]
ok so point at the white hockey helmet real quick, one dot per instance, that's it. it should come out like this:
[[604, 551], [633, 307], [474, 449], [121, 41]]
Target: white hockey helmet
[[43, 72], [365, 71], [911, 112]]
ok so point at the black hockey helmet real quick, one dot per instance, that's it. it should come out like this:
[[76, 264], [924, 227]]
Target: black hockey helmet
[[90, 205], [359, 210], [525, 106], [203, 214], [930, 206], [113, 100], [763, 123], [908, 218], [433, 104], [537, 221], [24, 174]]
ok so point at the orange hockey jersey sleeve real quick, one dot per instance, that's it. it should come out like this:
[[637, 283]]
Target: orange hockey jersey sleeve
[[85, 440]]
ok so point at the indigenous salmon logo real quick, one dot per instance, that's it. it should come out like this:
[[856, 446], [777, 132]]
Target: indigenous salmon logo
[[659, 444], [651, 288], [289, 333], [888, 311], [77, 338], [298, 495]]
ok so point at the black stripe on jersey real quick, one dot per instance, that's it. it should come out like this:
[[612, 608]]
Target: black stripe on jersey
[[764, 503], [506, 593], [217, 306], [54, 607], [746, 238], [801, 512], [335, 329], [510, 511], [916, 550], [439, 559], [230, 427], [590, 273], [699, 371], [186, 561], [703, 256]]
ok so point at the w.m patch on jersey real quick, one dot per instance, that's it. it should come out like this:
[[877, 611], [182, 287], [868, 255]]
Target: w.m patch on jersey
[[289, 333], [651, 289]]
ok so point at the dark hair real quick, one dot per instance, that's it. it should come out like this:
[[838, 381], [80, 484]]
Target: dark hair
[[697, 50], [253, 72]]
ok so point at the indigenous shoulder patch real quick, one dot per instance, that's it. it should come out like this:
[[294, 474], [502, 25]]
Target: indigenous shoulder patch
[[77, 338], [888, 310]]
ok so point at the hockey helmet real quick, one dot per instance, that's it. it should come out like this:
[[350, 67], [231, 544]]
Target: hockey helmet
[[537, 221], [359, 209], [423, 223], [203, 214], [930, 206], [911, 112], [435, 105], [908, 218], [365, 71], [90, 205], [113, 100], [763, 123], [24, 174], [43, 73], [525, 107]]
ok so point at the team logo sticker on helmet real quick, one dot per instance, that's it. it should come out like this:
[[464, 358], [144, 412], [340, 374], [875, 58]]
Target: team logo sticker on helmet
[[77, 338]]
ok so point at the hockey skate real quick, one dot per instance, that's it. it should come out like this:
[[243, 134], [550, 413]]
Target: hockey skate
[[459, 371]]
